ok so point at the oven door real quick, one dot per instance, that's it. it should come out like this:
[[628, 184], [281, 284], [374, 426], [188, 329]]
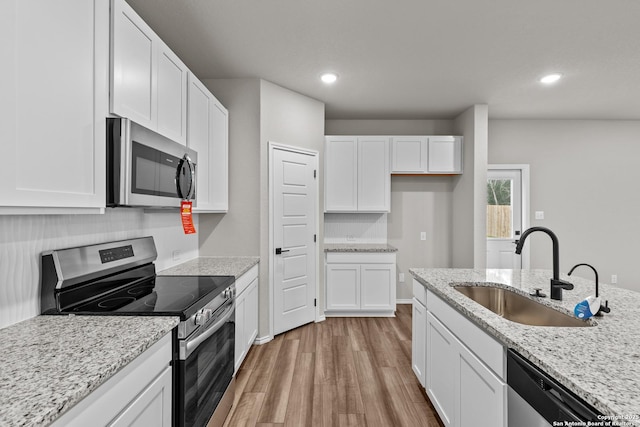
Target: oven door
[[205, 368]]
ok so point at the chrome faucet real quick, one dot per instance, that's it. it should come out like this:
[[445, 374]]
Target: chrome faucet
[[557, 285]]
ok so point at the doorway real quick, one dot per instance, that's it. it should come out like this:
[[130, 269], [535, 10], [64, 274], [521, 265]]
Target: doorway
[[293, 200], [507, 215]]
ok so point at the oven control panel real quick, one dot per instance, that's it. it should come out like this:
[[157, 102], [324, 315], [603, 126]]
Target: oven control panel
[[115, 254]]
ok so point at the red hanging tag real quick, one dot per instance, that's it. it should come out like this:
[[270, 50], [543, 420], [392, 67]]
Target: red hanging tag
[[187, 217]]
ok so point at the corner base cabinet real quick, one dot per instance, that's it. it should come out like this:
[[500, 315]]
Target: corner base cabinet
[[360, 284], [139, 395], [246, 314]]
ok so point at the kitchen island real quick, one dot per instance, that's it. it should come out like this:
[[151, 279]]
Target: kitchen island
[[598, 363]]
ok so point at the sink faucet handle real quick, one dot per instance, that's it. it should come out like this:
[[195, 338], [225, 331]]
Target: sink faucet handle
[[536, 293]]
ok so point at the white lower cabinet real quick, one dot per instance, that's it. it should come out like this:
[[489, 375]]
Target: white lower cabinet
[[138, 395], [246, 314], [418, 340], [464, 374], [360, 283]]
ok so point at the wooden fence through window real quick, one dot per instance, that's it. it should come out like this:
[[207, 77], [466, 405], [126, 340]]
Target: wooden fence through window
[[499, 221]]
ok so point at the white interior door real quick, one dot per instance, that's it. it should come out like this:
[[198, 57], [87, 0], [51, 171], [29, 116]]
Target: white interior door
[[504, 217], [294, 190]]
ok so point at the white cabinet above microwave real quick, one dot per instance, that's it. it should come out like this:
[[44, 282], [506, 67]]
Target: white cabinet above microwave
[[148, 81]]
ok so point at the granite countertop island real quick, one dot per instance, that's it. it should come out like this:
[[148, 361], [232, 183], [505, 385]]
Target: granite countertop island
[[50, 363], [213, 266], [359, 247], [601, 363]]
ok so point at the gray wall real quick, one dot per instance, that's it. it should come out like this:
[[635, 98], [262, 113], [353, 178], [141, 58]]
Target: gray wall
[[469, 191], [238, 231], [291, 119], [259, 112], [418, 203], [584, 176]]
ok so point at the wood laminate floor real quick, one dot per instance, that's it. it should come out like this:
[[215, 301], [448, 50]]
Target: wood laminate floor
[[340, 372]]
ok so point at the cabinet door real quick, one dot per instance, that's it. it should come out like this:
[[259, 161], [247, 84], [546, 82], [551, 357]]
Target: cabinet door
[[377, 287], [341, 174], [374, 180], [418, 339], [442, 355], [54, 86], [409, 154], [171, 92], [343, 287], [251, 315], [219, 159], [133, 62], [240, 346], [481, 395], [152, 407], [445, 154]]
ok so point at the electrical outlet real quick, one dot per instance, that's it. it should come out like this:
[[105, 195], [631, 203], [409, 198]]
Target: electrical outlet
[[423, 235], [539, 214], [176, 255], [401, 277], [350, 238], [614, 278]]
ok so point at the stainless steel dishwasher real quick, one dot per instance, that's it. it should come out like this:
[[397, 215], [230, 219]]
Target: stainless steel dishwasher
[[537, 400]]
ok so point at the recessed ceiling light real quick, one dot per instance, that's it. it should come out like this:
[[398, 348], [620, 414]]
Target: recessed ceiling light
[[329, 78], [551, 78]]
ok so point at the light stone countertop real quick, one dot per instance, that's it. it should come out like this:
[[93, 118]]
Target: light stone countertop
[[601, 364], [359, 247], [213, 266], [50, 363]]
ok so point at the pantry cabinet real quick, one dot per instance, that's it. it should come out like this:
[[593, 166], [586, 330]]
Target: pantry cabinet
[[246, 314], [148, 81], [208, 134], [357, 175], [54, 82], [360, 284], [426, 155], [139, 395]]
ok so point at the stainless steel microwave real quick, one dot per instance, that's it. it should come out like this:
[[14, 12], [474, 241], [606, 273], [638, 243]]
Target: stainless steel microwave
[[147, 169]]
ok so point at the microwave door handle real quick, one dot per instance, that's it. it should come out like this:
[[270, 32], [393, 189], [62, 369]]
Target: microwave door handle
[[181, 165], [192, 168], [192, 344]]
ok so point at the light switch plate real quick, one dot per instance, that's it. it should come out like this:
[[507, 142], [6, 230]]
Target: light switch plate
[[539, 214], [401, 277]]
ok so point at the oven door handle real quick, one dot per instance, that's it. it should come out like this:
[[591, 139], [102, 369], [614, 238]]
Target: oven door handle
[[192, 344]]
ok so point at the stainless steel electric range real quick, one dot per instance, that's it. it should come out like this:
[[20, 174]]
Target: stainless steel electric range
[[119, 278]]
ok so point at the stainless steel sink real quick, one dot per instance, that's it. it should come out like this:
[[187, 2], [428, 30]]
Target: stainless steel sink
[[518, 308]]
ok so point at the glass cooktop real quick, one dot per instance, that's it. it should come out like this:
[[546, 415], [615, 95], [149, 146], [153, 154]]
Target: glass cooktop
[[158, 295]]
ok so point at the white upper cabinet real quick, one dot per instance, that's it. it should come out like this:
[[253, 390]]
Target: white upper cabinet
[[54, 86], [426, 154], [208, 134], [409, 154], [341, 174], [374, 179], [357, 175], [148, 81]]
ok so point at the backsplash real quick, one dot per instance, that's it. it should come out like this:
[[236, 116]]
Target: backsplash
[[24, 238], [355, 228]]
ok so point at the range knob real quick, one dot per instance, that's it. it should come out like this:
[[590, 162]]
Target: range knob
[[203, 316], [228, 293]]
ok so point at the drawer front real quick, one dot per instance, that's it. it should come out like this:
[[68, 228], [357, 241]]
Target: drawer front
[[490, 351], [246, 279], [419, 292], [361, 257]]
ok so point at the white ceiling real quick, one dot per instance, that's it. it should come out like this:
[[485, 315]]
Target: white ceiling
[[419, 59]]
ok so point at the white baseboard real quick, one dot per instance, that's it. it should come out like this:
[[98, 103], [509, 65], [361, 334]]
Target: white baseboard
[[321, 318], [263, 340], [403, 301]]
